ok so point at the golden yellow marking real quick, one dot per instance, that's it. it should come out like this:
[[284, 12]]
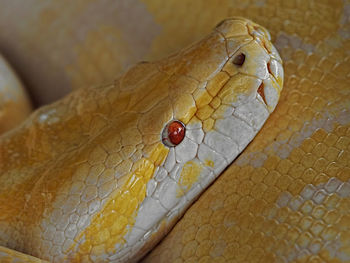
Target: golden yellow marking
[[184, 108], [11, 256], [238, 85], [202, 97], [189, 175], [279, 82], [208, 124], [117, 217], [209, 163], [215, 103], [205, 112], [217, 83]]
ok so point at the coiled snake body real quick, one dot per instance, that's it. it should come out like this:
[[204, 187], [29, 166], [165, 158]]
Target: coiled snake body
[[284, 199]]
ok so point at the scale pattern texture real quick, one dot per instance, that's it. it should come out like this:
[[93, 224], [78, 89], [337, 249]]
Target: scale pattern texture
[[12, 256], [287, 197]]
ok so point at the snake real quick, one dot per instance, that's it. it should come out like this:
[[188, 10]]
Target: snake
[[284, 199], [112, 178]]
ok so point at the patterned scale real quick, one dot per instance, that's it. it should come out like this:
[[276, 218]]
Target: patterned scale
[[287, 197]]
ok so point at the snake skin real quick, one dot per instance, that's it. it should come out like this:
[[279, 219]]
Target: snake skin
[[12, 256], [286, 198], [88, 176]]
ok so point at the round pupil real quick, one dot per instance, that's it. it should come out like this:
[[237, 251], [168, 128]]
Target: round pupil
[[176, 132]]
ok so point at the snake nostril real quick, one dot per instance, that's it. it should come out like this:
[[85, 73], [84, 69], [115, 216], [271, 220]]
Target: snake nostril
[[261, 92], [173, 133], [239, 59]]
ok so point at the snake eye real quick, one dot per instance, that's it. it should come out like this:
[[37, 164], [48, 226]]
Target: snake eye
[[239, 59], [173, 133]]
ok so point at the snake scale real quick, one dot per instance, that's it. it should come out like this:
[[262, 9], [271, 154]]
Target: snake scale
[[285, 198]]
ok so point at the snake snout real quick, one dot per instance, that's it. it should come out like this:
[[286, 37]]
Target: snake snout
[[258, 31], [270, 88], [252, 55]]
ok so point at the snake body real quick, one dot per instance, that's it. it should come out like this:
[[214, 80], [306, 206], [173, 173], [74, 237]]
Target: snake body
[[286, 197]]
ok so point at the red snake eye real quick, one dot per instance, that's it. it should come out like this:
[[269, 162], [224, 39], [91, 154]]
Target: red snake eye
[[173, 133]]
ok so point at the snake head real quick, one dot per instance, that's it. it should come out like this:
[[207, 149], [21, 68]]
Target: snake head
[[253, 58]]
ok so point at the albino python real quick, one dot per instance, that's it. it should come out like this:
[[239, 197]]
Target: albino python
[[285, 199]]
